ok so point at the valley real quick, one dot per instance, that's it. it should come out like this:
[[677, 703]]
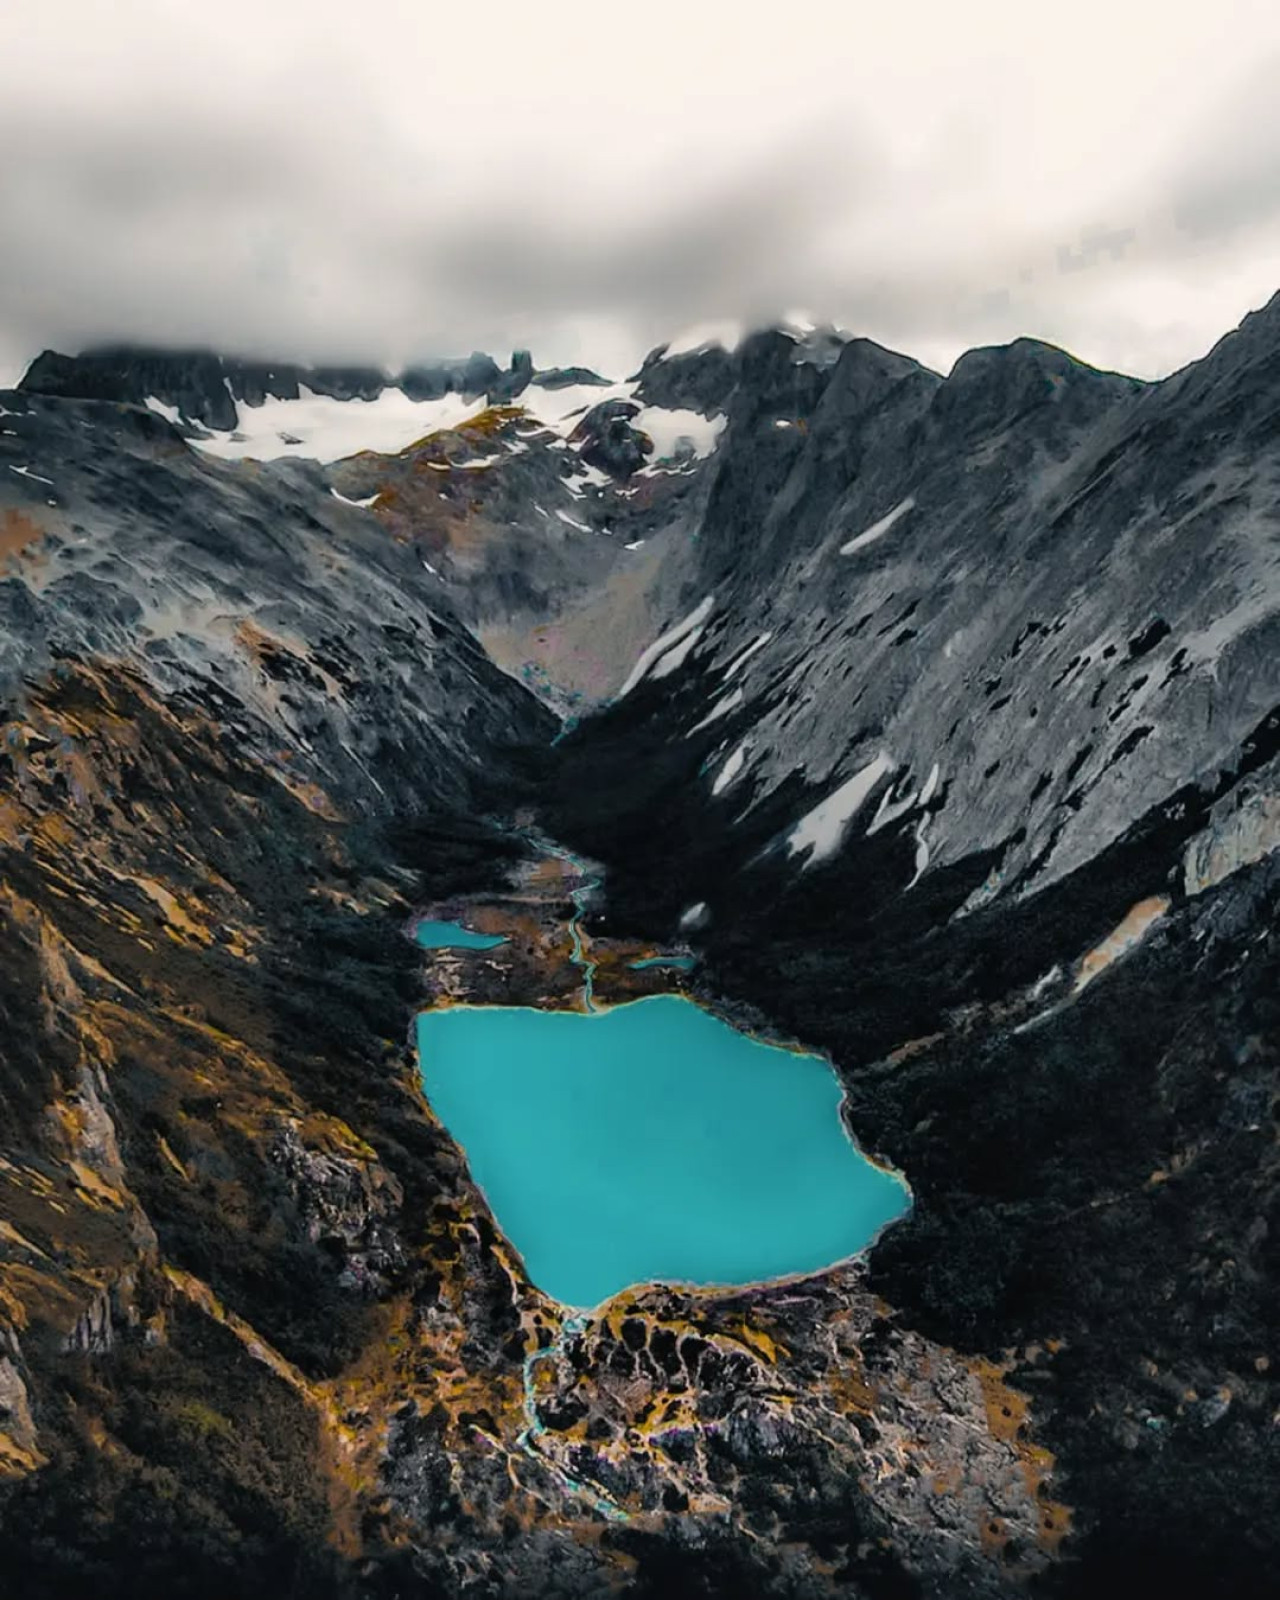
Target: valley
[[926, 726]]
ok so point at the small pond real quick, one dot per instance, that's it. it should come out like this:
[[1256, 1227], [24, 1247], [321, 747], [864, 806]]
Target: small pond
[[453, 936]]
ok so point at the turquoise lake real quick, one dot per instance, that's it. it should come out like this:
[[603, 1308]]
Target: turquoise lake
[[453, 936], [684, 963], [651, 1142]]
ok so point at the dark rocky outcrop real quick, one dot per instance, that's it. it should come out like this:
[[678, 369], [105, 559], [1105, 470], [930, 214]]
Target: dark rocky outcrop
[[192, 381], [697, 380], [564, 377], [606, 439], [204, 387]]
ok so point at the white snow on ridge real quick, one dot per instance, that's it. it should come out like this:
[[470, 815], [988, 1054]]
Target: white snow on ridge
[[740, 661], [877, 530], [720, 709], [26, 472], [330, 430], [572, 522], [798, 322], [562, 410], [930, 785], [169, 413], [361, 505], [821, 831], [732, 767], [663, 644]]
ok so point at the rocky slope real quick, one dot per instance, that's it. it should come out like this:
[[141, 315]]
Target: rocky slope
[[966, 773], [937, 716]]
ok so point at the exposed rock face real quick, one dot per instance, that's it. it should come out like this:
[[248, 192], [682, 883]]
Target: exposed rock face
[[1243, 828], [699, 380], [349, 1201], [1032, 576], [19, 1441], [957, 761], [192, 381], [203, 387], [607, 439], [972, 766], [430, 380], [507, 386], [564, 377]]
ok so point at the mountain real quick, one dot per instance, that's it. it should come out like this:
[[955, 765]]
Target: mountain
[[204, 388], [938, 715]]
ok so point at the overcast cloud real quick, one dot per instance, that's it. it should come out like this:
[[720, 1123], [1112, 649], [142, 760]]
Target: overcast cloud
[[382, 180]]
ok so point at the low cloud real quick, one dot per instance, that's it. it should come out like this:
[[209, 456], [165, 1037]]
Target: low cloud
[[348, 199]]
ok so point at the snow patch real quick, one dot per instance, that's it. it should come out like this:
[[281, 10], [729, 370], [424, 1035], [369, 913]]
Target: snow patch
[[663, 644], [169, 413], [930, 785], [572, 522], [591, 477], [732, 767], [821, 831], [360, 505], [562, 410], [694, 914], [922, 854], [877, 530], [326, 429], [890, 810], [721, 709], [1045, 982], [740, 661], [677, 657], [26, 472], [667, 428]]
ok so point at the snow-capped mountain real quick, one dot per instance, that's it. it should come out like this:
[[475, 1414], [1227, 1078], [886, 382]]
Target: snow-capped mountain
[[938, 716]]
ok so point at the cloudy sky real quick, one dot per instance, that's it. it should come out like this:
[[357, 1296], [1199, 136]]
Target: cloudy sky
[[384, 179]]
